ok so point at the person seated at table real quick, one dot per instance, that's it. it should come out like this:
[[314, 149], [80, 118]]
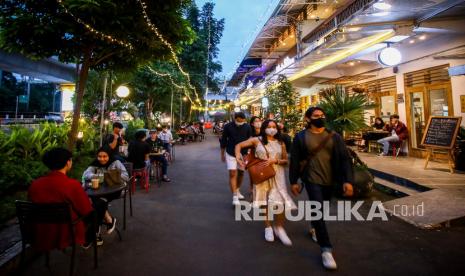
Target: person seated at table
[[155, 144], [102, 164], [57, 187], [138, 150], [115, 140], [166, 137], [379, 124], [398, 132], [367, 136]]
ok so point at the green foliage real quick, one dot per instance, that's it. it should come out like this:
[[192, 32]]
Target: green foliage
[[344, 112], [282, 99], [132, 127]]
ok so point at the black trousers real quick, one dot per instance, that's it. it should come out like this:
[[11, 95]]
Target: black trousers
[[100, 207], [320, 193]]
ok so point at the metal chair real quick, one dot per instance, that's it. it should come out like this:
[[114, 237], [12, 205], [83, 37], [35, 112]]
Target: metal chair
[[30, 214], [128, 190]]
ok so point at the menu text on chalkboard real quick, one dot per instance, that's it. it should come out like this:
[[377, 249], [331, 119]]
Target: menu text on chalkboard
[[441, 132]]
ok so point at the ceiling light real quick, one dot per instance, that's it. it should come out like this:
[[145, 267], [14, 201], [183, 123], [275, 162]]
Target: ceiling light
[[422, 37], [389, 56], [382, 6], [351, 63]]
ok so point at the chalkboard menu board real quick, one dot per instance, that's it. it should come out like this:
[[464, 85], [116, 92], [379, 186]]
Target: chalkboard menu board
[[441, 132]]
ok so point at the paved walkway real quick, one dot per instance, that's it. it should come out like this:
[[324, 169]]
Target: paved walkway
[[437, 174], [187, 227]]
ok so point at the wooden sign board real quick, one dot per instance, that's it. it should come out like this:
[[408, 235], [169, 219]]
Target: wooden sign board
[[441, 133]]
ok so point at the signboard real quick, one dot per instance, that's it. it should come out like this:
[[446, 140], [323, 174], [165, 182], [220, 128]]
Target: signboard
[[400, 98], [441, 132], [251, 63]]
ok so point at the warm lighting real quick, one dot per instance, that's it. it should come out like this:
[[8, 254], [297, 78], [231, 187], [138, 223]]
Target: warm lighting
[[389, 56], [82, 120], [342, 54], [184, 99], [237, 109], [106, 122], [122, 91], [411, 41], [80, 135], [351, 63], [422, 37], [382, 6]]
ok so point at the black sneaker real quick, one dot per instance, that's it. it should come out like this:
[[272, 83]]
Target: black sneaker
[[111, 226], [88, 245], [99, 241]]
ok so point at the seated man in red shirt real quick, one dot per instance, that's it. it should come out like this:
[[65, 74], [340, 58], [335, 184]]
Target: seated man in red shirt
[[57, 187]]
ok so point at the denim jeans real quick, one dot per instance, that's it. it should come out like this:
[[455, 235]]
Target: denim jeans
[[320, 193], [163, 161], [385, 142]]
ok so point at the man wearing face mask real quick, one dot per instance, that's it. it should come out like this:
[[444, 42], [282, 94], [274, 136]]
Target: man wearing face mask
[[320, 159], [234, 133]]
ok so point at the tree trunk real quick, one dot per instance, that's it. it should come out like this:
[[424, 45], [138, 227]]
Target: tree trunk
[[148, 112], [81, 85]]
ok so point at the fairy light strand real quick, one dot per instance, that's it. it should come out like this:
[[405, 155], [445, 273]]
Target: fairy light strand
[[98, 33]]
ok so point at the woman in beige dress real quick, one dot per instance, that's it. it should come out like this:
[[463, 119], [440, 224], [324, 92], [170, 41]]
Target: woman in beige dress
[[269, 146]]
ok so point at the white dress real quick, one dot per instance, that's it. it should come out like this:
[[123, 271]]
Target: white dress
[[274, 190]]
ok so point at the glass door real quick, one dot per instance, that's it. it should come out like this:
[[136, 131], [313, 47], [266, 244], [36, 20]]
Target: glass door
[[418, 117], [438, 102]]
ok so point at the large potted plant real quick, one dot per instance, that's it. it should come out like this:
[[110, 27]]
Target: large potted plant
[[345, 114]]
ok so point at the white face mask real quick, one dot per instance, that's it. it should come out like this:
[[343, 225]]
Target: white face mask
[[257, 124], [271, 131], [238, 123]]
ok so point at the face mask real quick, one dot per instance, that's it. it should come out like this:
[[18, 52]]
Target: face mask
[[257, 124], [271, 131], [320, 122], [239, 124]]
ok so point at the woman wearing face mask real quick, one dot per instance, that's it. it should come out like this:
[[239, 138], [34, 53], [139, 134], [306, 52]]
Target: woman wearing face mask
[[273, 191], [255, 124]]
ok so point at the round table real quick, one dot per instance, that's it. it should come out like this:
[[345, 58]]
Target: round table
[[104, 190]]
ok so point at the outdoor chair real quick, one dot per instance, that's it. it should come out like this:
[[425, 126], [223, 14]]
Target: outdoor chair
[[30, 214], [128, 190], [397, 147], [143, 175], [155, 171]]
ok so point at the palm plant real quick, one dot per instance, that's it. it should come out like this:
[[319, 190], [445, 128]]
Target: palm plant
[[344, 112]]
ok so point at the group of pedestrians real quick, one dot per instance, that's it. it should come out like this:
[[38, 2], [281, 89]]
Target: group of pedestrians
[[318, 157]]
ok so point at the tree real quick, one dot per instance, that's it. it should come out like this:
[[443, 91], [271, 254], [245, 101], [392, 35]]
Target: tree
[[209, 31], [282, 99], [107, 34]]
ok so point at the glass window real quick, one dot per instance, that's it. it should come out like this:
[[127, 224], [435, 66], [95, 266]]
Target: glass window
[[438, 102], [388, 107]]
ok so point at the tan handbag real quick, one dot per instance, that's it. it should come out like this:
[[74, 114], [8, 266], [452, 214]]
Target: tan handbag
[[113, 178], [257, 168]]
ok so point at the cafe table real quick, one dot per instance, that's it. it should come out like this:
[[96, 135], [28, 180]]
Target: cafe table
[[154, 167], [372, 136], [106, 190]]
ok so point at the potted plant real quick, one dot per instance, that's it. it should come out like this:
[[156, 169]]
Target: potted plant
[[345, 114]]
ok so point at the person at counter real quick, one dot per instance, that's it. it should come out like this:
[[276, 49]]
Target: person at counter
[[398, 132]]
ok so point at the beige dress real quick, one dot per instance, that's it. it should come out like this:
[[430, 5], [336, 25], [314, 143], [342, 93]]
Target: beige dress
[[274, 190]]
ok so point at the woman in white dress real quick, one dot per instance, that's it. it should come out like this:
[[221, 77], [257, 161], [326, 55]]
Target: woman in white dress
[[271, 192]]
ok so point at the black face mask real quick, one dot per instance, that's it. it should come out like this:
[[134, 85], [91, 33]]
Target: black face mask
[[319, 123]]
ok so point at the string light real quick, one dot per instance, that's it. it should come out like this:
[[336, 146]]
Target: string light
[[94, 31], [167, 44]]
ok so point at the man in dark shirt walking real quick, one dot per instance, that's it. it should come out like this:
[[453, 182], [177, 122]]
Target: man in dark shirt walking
[[234, 133], [320, 159]]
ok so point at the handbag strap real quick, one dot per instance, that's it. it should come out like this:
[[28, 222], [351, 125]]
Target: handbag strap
[[261, 142], [322, 144]]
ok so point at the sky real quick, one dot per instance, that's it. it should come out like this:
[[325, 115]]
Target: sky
[[243, 20]]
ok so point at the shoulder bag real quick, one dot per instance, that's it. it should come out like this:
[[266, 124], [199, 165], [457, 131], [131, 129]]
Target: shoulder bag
[[257, 168]]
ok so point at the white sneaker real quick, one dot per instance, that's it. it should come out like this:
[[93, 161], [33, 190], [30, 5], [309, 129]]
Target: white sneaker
[[239, 195], [269, 236], [313, 234], [236, 201], [282, 235], [328, 260]]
